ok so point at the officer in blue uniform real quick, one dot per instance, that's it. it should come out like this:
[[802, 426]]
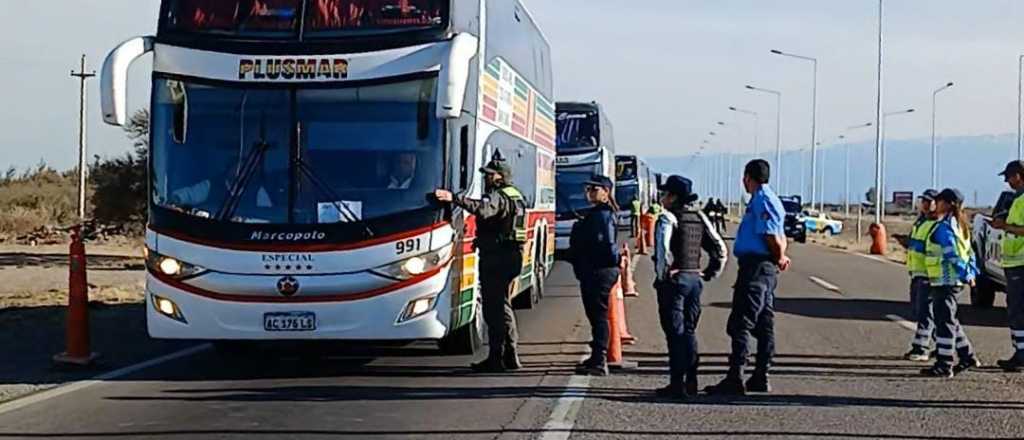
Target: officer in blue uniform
[[594, 254], [681, 233], [761, 251]]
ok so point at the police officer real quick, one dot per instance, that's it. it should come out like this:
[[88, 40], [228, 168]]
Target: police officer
[[595, 257], [682, 231], [1013, 264], [920, 296], [761, 251], [951, 265], [501, 233]]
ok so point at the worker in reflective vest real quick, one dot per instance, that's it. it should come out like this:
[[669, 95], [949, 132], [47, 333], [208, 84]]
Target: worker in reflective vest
[[1013, 264], [920, 296], [951, 265]]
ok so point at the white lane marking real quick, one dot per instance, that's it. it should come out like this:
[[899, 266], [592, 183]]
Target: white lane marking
[[563, 418], [826, 285], [902, 322], [83, 384], [874, 258]]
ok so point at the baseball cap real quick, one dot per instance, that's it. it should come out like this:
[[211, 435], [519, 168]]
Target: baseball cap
[[1014, 167], [929, 195], [951, 195]]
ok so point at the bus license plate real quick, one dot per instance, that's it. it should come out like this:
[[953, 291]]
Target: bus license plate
[[289, 322]]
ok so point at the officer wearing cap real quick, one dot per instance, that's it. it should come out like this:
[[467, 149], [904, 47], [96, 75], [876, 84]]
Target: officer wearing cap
[[1013, 263], [594, 254], [501, 234], [761, 251], [950, 263], [680, 234]]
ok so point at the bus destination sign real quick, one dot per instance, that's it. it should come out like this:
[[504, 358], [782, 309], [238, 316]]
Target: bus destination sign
[[285, 69]]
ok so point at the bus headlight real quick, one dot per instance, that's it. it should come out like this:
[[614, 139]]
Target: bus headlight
[[168, 308], [171, 267], [414, 266], [417, 307]]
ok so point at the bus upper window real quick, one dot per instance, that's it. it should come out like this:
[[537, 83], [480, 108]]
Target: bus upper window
[[578, 129], [242, 17], [357, 15]]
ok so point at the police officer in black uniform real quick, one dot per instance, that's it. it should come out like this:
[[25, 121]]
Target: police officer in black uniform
[[501, 233], [594, 254], [681, 233]]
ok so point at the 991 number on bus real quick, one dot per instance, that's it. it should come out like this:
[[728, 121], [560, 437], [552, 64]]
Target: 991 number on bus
[[406, 246]]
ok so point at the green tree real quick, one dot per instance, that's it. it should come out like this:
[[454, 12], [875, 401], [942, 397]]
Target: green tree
[[120, 182]]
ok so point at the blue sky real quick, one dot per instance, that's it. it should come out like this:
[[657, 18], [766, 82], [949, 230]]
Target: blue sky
[[666, 70]]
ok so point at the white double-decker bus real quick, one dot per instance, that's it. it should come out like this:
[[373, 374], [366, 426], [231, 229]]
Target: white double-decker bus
[[586, 146], [294, 145]]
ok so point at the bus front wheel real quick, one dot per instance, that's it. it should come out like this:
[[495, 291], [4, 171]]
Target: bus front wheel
[[467, 339]]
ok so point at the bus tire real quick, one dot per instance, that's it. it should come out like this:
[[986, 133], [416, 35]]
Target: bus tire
[[983, 294], [468, 339]]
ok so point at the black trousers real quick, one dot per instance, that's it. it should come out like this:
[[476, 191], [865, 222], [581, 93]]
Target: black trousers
[[595, 288], [679, 309], [498, 272], [753, 314]]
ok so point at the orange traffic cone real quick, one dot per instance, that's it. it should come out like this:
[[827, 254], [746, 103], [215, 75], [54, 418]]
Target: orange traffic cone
[[626, 274], [77, 336], [648, 221], [615, 360]]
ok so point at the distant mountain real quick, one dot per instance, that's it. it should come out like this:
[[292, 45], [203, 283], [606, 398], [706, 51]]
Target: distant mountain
[[968, 163]]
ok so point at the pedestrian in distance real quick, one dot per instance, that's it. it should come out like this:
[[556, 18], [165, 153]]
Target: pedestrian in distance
[[595, 258], [1012, 223], [501, 234], [722, 212], [681, 233], [760, 249], [951, 265]]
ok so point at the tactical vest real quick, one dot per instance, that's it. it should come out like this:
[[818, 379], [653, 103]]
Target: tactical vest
[[514, 229], [1013, 245], [915, 252], [686, 241], [940, 271]]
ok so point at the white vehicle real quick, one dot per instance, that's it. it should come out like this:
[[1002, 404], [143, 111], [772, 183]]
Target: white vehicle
[[586, 146], [822, 223], [293, 147], [633, 181], [988, 248]]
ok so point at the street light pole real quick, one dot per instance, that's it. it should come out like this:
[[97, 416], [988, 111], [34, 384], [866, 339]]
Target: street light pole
[[847, 204], [878, 119], [82, 76], [935, 154], [757, 125], [814, 117], [881, 207], [778, 128], [1020, 98]]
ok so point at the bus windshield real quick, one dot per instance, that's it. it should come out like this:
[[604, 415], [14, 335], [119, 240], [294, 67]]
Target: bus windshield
[[231, 154], [571, 197], [282, 18], [626, 194], [625, 169], [578, 129]]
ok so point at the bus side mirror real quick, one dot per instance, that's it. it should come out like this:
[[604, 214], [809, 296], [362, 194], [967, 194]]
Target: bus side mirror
[[454, 76], [114, 78]]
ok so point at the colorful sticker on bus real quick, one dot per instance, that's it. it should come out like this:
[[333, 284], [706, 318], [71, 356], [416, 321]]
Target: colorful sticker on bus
[[512, 104]]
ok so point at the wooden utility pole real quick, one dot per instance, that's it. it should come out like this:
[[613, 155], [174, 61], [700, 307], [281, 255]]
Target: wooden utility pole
[[83, 76]]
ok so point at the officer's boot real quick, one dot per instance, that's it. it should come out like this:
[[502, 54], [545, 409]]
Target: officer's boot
[[510, 359], [758, 383], [493, 364], [692, 385], [732, 385], [596, 365]]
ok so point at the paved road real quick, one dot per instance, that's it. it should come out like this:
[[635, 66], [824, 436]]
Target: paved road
[[839, 375]]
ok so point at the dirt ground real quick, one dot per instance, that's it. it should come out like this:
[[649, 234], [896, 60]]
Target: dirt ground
[[37, 276]]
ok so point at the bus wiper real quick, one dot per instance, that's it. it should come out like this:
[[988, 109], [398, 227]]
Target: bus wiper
[[346, 211], [252, 162]]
